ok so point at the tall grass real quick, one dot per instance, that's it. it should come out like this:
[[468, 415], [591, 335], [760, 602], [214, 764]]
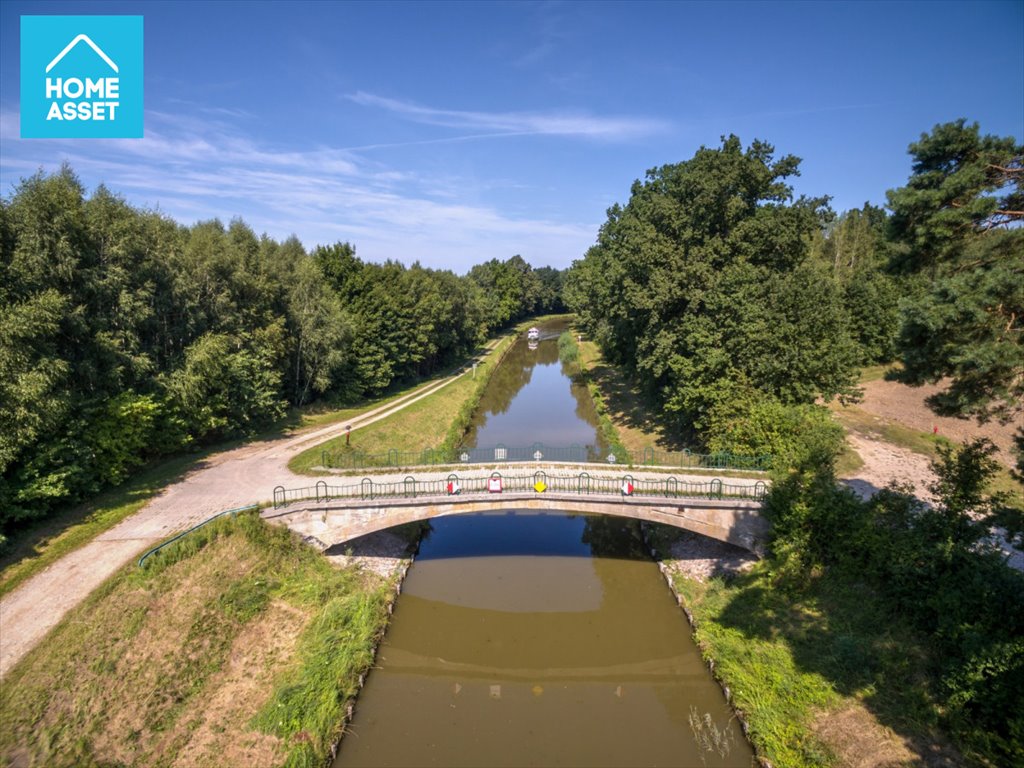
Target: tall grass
[[792, 655], [128, 676]]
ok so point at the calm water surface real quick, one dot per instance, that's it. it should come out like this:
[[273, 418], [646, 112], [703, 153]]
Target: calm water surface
[[533, 639], [530, 399]]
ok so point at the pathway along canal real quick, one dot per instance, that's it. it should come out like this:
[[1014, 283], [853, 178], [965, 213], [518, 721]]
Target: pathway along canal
[[539, 639]]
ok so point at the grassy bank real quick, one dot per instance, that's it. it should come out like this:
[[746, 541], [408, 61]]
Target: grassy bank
[[636, 423], [579, 364], [437, 421], [238, 646], [822, 672], [34, 547]]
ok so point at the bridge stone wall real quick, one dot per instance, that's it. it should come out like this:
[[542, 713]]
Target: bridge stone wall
[[327, 523]]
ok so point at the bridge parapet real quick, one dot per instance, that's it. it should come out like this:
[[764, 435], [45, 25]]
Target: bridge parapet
[[537, 483], [325, 515]]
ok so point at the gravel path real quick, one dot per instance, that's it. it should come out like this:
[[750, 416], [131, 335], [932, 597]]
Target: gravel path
[[235, 478], [231, 479]]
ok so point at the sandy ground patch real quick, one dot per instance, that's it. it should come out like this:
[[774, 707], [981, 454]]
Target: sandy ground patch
[[885, 463], [892, 400], [221, 735]]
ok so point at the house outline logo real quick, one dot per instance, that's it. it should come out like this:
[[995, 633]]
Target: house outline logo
[[72, 44], [92, 88]]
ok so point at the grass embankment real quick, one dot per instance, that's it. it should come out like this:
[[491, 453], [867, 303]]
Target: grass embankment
[[822, 672], [635, 421], [579, 364], [237, 646], [34, 547], [437, 421]]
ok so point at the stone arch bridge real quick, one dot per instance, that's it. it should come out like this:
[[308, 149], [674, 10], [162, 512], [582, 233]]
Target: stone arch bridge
[[325, 514]]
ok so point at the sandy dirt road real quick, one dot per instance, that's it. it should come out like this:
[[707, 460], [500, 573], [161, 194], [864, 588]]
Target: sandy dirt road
[[235, 478], [885, 462]]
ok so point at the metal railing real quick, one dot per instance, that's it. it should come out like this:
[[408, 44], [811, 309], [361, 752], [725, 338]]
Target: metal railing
[[158, 547], [579, 454], [540, 482]]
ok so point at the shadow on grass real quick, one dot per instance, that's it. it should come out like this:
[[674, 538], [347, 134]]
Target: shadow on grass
[[836, 628], [632, 410]]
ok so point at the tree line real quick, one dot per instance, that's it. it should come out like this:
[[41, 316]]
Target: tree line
[[738, 307], [125, 336]]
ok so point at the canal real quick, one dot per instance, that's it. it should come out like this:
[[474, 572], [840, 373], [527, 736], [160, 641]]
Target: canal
[[535, 639]]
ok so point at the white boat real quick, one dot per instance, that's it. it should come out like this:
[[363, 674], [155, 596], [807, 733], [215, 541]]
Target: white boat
[[533, 334]]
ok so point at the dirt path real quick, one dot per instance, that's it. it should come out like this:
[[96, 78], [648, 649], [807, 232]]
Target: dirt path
[[885, 462], [904, 404], [231, 479]]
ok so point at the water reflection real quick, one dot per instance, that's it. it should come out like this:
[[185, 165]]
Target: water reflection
[[530, 399], [495, 657]]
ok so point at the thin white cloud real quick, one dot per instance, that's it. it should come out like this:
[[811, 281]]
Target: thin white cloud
[[191, 172], [519, 123]]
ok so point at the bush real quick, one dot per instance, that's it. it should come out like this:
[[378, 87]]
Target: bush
[[936, 569], [749, 423], [569, 353]]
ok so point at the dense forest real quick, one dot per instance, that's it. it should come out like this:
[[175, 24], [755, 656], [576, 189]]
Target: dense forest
[[739, 309], [125, 336]]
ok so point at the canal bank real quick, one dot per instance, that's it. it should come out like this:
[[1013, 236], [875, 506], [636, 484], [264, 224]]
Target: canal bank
[[539, 638], [238, 645]]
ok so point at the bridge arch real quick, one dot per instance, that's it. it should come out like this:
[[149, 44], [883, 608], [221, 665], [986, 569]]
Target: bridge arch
[[327, 523]]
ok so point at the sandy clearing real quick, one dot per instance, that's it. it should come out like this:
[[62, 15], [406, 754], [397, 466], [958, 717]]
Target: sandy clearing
[[898, 402], [885, 463]]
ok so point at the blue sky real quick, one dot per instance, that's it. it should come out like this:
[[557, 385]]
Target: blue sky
[[452, 133]]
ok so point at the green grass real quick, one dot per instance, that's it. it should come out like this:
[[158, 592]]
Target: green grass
[[848, 462], [791, 652], [437, 421], [876, 372], [147, 659], [323, 414], [34, 548]]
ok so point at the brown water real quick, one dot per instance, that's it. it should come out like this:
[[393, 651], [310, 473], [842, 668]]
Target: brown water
[[534, 639], [530, 399]]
